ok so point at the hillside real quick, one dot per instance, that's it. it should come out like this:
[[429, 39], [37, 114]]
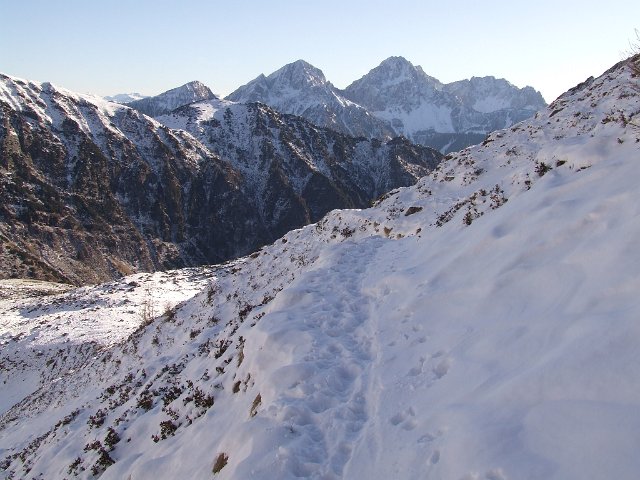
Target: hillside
[[311, 170], [481, 324]]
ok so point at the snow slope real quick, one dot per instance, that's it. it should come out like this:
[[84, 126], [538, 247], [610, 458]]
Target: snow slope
[[125, 97], [479, 325], [77, 323]]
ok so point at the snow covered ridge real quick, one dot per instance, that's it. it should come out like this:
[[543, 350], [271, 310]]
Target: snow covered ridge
[[479, 325], [85, 184], [396, 98]]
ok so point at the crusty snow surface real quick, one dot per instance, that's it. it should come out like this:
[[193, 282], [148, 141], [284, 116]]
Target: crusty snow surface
[[482, 324]]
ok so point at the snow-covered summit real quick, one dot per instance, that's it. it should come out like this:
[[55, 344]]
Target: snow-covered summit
[[291, 80], [395, 81], [418, 105], [301, 89], [482, 324], [299, 74], [171, 99]]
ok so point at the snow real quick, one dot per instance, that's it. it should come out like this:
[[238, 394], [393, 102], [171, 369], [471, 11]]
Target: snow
[[490, 104], [172, 99], [489, 332], [32, 332], [426, 116], [125, 97]]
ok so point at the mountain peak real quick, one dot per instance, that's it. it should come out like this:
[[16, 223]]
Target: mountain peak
[[194, 91], [396, 62], [195, 87], [298, 74], [399, 68], [391, 72]]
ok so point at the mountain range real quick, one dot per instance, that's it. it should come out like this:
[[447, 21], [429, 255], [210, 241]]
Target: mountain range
[[94, 190], [396, 98], [480, 324]]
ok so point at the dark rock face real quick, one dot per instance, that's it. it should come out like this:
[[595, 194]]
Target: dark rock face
[[93, 190]]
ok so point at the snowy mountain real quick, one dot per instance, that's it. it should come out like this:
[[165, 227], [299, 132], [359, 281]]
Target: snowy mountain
[[490, 94], [480, 324], [396, 98], [301, 89], [422, 108], [172, 99], [125, 97], [94, 190], [311, 170]]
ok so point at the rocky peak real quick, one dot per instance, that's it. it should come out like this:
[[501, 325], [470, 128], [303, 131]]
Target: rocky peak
[[489, 94], [399, 69], [191, 92], [291, 80], [301, 89], [298, 75], [198, 89], [394, 82]]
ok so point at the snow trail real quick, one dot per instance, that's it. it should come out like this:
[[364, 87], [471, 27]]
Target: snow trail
[[319, 347]]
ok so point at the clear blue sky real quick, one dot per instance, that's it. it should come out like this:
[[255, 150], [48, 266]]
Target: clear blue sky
[[108, 47]]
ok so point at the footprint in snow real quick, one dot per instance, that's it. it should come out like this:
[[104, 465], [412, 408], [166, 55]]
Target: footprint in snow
[[442, 367], [405, 420], [418, 369], [418, 341]]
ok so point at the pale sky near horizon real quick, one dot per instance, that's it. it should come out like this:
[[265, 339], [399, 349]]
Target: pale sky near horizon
[[109, 47]]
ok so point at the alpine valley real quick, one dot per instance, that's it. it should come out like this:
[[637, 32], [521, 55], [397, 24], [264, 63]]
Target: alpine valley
[[479, 324], [93, 190]]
